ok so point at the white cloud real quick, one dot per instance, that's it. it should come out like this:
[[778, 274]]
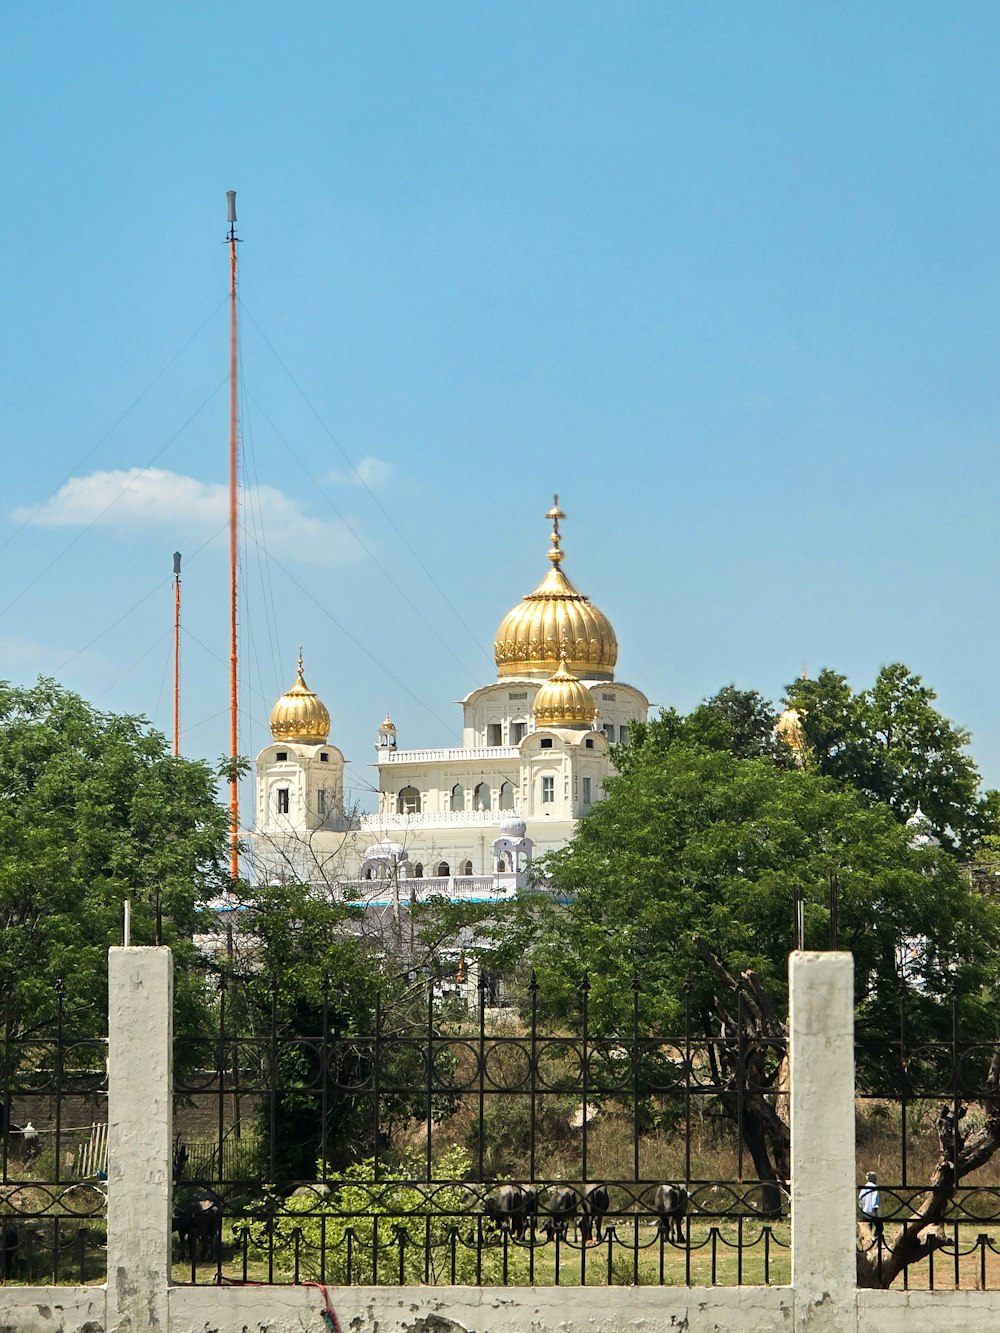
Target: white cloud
[[149, 498], [370, 472]]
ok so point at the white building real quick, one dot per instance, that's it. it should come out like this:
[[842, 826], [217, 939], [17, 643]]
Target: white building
[[466, 819]]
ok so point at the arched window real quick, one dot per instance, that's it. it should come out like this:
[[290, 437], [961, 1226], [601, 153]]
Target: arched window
[[507, 796], [409, 802], [444, 870], [418, 871], [467, 868], [457, 797], [482, 796]]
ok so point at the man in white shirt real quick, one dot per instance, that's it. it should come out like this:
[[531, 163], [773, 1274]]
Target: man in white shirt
[[868, 1203]]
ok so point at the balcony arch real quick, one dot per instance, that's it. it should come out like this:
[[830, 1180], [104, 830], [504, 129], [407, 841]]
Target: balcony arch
[[408, 802]]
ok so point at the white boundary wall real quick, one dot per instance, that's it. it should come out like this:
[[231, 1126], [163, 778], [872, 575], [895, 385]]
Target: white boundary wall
[[140, 1298]]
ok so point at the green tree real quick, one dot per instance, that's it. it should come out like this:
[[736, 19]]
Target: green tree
[[691, 841], [310, 989], [95, 810], [740, 721], [684, 877], [892, 744]]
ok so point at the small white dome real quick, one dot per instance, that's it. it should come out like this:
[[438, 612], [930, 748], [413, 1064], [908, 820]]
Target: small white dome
[[386, 851], [922, 835], [512, 825]]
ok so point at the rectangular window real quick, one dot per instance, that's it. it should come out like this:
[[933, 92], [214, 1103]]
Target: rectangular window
[[609, 731], [281, 756], [282, 800], [622, 735], [324, 758], [494, 734], [321, 801], [586, 791], [545, 743], [548, 791], [518, 731], [608, 698], [522, 694]]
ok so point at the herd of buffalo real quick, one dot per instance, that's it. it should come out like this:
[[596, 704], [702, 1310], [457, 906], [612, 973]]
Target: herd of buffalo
[[515, 1209]]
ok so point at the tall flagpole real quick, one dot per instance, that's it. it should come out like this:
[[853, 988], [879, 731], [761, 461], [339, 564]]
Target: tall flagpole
[[234, 435], [177, 653]]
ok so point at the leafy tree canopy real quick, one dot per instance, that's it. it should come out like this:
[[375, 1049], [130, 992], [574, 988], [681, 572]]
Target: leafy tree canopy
[[692, 840], [894, 746], [95, 810], [888, 742]]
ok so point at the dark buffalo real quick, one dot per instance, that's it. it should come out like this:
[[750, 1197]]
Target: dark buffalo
[[513, 1208], [10, 1238], [671, 1204], [562, 1210], [198, 1223], [592, 1211]]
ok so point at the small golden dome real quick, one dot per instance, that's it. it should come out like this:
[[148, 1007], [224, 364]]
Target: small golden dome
[[530, 636], [388, 724], [788, 729], [299, 716], [564, 701]]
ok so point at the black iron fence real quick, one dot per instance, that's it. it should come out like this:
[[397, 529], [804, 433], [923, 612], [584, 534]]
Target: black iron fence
[[53, 1153], [924, 1093], [309, 1148], [383, 1155]]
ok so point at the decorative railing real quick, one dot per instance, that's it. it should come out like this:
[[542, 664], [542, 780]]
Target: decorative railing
[[416, 888], [380, 825], [459, 755]]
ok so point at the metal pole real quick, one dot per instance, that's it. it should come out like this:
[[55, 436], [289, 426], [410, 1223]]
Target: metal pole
[[234, 788], [177, 653]]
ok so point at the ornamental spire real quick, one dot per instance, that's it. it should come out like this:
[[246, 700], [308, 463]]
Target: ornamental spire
[[555, 513]]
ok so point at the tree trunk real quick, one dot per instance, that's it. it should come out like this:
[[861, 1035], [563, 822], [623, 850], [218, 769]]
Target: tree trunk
[[917, 1237], [753, 1096]]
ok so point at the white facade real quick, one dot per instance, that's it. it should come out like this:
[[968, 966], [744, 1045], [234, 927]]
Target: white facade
[[450, 808]]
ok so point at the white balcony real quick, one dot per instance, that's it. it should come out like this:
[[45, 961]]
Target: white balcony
[[380, 825], [455, 756]]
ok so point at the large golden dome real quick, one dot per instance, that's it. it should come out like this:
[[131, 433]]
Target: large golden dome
[[530, 638], [300, 717], [564, 701]]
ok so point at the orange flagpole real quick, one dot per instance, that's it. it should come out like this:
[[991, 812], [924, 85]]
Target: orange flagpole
[[177, 653], [234, 746]]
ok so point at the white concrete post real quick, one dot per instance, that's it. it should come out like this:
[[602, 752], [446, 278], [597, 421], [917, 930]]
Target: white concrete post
[[821, 1023], [140, 1012]]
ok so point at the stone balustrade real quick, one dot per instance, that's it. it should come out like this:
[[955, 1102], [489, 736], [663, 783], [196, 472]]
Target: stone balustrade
[[455, 756]]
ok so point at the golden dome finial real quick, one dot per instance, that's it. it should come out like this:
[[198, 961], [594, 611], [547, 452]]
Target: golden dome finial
[[555, 513], [300, 716], [555, 619]]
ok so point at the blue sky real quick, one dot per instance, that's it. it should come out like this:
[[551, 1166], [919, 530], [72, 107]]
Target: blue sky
[[725, 277]]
